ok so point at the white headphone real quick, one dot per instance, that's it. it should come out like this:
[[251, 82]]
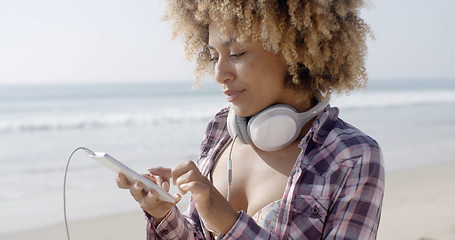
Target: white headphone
[[273, 128]]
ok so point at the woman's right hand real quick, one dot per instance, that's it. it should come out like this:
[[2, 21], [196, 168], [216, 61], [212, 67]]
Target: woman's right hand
[[148, 200]]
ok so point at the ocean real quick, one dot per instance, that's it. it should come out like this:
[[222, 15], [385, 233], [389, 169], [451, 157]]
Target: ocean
[[151, 124]]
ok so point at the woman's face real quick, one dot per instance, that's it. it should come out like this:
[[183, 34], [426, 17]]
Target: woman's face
[[250, 77]]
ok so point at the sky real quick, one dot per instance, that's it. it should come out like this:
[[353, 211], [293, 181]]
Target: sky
[[81, 41]]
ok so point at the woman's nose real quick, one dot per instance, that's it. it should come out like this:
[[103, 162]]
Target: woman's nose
[[224, 71]]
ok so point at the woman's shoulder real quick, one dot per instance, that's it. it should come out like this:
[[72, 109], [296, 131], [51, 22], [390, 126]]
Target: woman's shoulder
[[330, 129], [217, 123], [340, 143], [354, 146], [350, 135], [215, 135], [222, 114]]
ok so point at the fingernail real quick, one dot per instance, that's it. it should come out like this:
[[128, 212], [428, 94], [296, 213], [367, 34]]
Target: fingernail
[[177, 197], [137, 186], [165, 185]]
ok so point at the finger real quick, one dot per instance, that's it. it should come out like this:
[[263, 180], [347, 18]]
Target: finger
[[177, 197], [122, 182], [162, 176], [192, 175], [197, 188], [186, 177], [151, 197], [162, 182], [166, 186], [158, 180], [185, 173], [150, 201], [156, 207], [161, 171], [182, 188], [182, 169], [150, 177], [136, 191]]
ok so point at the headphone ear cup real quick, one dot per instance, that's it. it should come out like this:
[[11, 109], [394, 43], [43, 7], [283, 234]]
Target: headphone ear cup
[[274, 128], [237, 126]]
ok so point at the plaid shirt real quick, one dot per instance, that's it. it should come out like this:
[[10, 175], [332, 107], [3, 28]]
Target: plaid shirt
[[334, 191]]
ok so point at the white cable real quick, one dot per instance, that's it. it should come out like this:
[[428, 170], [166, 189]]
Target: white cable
[[64, 185], [230, 170]]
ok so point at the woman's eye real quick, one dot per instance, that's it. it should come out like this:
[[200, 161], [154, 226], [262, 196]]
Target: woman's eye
[[213, 59], [236, 55]]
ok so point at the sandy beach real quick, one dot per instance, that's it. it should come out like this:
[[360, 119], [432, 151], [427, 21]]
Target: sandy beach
[[418, 205]]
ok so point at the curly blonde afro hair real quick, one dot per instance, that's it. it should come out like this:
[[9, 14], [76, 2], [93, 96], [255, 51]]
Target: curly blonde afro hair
[[322, 41]]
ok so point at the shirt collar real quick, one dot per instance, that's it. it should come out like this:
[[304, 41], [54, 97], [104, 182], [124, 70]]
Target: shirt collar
[[322, 125]]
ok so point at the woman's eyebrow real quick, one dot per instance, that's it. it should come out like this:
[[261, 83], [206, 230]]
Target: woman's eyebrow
[[224, 44]]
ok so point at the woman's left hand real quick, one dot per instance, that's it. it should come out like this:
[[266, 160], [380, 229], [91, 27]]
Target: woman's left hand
[[210, 203]]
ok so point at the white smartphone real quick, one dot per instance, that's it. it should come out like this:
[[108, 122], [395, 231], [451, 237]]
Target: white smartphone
[[131, 175]]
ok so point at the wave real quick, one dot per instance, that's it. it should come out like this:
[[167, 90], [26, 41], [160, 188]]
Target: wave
[[203, 112], [393, 99], [104, 120]]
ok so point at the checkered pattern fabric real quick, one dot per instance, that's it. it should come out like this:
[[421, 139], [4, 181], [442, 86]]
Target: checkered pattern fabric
[[334, 191]]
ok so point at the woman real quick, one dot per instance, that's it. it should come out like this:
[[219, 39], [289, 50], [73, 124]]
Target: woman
[[327, 182]]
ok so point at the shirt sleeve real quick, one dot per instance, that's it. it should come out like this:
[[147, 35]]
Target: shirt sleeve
[[175, 226], [188, 225], [355, 213]]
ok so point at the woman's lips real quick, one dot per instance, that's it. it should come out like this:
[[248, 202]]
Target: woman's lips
[[233, 95]]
